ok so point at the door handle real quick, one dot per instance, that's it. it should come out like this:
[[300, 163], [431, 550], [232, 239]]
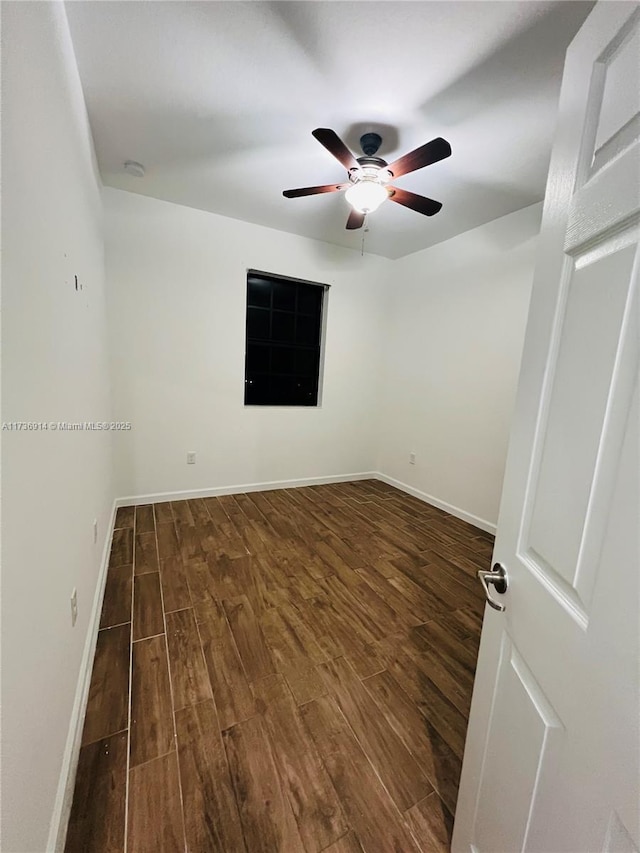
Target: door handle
[[499, 579]]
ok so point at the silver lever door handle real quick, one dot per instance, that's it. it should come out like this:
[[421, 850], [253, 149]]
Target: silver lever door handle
[[498, 577]]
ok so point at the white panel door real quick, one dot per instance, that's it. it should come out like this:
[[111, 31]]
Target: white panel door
[[551, 760]]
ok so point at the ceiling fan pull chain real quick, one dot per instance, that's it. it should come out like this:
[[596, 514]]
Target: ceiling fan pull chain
[[365, 228]]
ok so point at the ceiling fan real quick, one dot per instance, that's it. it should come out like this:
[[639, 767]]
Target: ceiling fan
[[369, 176]]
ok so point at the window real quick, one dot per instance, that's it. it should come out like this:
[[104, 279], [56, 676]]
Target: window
[[282, 356]]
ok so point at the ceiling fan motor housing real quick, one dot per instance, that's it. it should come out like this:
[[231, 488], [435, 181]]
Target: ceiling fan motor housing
[[370, 167], [370, 142]]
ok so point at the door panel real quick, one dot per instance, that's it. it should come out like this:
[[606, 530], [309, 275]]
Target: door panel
[[598, 294], [551, 761], [536, 739], [619, 102]]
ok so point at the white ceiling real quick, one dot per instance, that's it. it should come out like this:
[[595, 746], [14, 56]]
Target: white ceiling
[[218, 101]]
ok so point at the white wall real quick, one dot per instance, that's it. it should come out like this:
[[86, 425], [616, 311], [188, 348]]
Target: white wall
[[177, 303], [421, 354], [456, 316], [54, 368]]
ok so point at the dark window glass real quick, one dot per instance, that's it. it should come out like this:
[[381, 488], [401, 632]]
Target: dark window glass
[[258, 320], [307, 331], [257, 357], [283, 326], [306, 390], [282, 389], [284, 295], [283, 359], [306, 362], [256, 389], [309, 300], [283, 341], [259, 292]]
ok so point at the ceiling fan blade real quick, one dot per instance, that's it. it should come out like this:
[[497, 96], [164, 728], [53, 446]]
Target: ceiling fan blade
[[427, 154], [333, 144], [355, 220], [327, 188], [419, 203]]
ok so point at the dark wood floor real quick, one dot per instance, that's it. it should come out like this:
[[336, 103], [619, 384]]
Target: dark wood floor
[[281, 671]]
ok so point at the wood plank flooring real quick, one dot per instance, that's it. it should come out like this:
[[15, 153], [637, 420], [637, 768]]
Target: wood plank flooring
[[281, 671]]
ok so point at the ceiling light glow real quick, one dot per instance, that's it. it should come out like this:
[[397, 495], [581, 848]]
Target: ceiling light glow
[[366, 195]]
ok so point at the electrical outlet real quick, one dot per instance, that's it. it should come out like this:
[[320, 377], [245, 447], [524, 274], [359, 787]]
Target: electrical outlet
[[74, 606], [95, 530], [191, 457], [412, 457]]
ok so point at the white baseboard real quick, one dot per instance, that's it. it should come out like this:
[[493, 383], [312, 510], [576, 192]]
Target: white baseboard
[[66, 783], [189, 494], [482, 523]]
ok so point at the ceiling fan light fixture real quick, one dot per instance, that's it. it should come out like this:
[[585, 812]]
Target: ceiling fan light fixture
[[366, 195], [368, 176]]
